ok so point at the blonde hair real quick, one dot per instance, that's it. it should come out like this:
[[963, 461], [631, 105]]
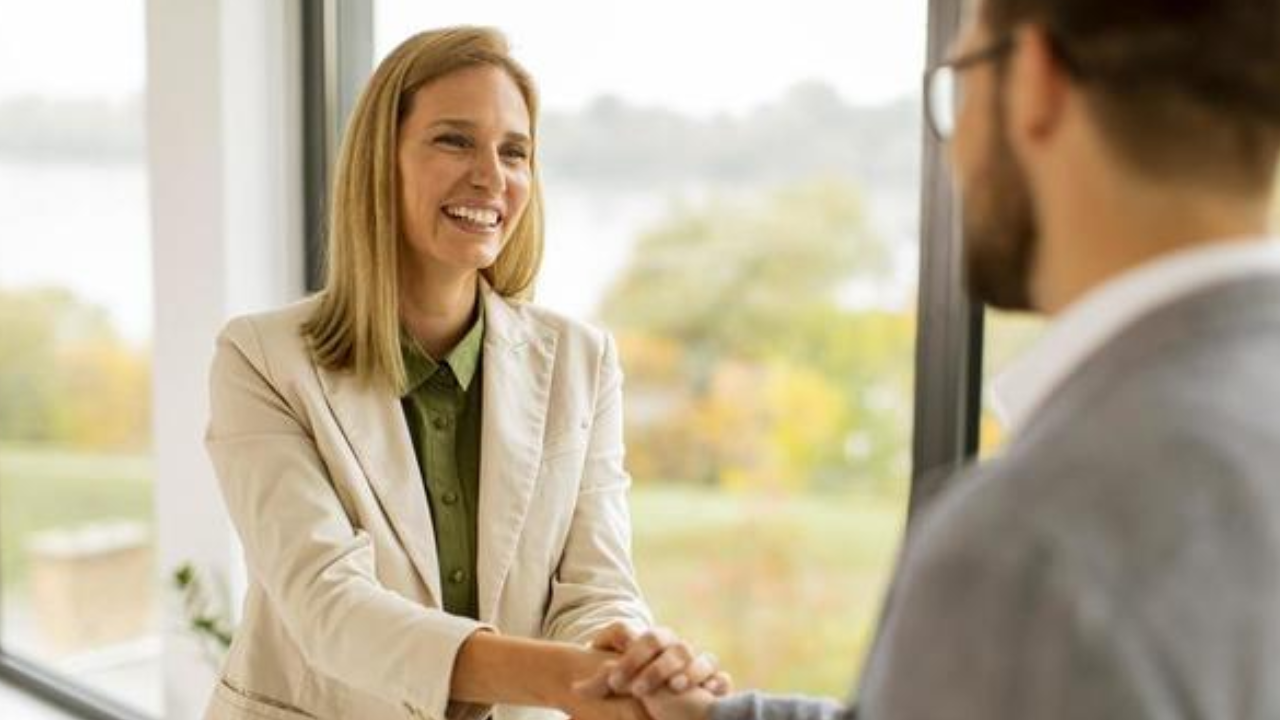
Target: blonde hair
[[356, 326]]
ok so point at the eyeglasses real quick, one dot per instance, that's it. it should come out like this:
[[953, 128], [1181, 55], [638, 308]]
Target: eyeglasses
[[942, 86]]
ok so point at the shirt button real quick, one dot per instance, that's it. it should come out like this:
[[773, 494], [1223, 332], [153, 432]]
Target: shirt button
[[439, 422], [450, 498], [457, 576]]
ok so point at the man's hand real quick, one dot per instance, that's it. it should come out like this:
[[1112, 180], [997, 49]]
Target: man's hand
[[653, 661], [693, 704]]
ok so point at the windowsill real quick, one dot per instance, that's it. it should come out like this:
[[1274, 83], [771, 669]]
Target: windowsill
[[14, 703]]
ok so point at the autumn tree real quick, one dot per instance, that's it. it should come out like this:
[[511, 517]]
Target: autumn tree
[[745, 365]]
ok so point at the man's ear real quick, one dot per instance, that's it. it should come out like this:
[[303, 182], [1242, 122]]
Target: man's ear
[[1037, 90]]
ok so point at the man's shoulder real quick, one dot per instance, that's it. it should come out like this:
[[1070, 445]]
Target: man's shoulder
[[1147, 490], [1181, 411], [1199, 366], [1056, 558]]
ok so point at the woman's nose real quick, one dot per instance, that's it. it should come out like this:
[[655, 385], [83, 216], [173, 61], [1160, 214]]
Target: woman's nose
[[486, 172]]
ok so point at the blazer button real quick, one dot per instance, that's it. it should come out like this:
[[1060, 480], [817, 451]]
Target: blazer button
[[450, 498], [457, 576], [439, 423]]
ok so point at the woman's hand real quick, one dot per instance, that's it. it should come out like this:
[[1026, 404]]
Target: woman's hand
[[652, 662], [604, 708], [495, 669], [693, 704]]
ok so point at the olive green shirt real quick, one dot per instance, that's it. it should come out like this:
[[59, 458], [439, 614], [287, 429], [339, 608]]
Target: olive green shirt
[[442, 407]]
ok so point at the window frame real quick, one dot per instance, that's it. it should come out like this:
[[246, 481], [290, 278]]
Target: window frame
[[36, 680], [336, 57], [25, 675], [949, 330], [32, 678]]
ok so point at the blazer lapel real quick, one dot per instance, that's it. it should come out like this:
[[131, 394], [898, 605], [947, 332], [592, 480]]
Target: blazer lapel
[[374, 425], [519, 358]]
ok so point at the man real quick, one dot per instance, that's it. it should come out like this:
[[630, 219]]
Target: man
[[1121, 559]]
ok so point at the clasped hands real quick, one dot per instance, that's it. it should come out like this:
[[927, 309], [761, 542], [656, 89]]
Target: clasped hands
[[662, 675]]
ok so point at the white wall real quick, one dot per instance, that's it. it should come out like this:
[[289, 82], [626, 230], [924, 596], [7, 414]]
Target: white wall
[[224, 154]]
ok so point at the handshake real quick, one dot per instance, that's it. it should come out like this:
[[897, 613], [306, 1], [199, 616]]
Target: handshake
[[648, 676]]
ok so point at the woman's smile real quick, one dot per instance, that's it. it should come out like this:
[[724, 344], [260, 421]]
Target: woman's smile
[[474, 219]]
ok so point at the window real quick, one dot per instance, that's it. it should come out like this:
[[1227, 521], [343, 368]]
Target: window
[[736, 199], [77, 595], [1007, 336]]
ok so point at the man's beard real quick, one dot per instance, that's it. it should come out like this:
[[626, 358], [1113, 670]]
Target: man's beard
[[1000, 231]]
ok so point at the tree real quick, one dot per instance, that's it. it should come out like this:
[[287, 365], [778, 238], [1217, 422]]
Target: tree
[[67, 377], [27, 362], [774, 383], [732, 277]]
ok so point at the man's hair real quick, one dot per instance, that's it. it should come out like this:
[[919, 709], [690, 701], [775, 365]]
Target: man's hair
[[1181, 88]]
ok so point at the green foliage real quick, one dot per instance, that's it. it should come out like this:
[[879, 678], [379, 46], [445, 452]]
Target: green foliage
[[1008, 335], [206, 619], [744, 367], [732, 572], [732, 276], [66, 377], [783, 588], [47, 488], [27, 353]]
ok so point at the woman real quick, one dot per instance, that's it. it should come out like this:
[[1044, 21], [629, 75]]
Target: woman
[[426, 472]]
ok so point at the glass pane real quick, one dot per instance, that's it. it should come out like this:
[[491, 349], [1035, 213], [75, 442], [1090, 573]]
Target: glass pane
[[1008, 335], [76, 531], [736, 198]]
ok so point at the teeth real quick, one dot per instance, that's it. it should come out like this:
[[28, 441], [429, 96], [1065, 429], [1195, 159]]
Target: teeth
[[479, 216]]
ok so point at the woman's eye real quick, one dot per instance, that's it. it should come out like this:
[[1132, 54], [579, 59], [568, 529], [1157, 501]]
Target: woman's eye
[[515, 153], [453, 140]]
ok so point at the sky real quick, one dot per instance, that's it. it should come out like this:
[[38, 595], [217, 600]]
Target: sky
[[72, 48], [700, 57]]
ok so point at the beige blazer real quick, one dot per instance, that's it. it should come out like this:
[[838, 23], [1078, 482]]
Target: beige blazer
[[342, 618]]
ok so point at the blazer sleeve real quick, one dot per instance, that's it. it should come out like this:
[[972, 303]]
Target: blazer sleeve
[[315, 566], [992, 622], [758, 706], [594, 583]]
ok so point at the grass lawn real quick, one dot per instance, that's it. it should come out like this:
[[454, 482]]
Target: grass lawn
[[45, 488], [785, 590]]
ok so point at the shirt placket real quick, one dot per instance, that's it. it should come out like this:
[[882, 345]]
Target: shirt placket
[[443, 408]]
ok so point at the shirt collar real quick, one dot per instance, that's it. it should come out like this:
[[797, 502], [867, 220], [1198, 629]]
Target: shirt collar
[[463, 360], [1105, 312]]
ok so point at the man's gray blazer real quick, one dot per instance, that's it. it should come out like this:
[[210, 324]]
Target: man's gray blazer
[[1121, 559]]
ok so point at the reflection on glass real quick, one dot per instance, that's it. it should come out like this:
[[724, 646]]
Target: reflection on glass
[[76, 545], [1008, 335], [745, 222]]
